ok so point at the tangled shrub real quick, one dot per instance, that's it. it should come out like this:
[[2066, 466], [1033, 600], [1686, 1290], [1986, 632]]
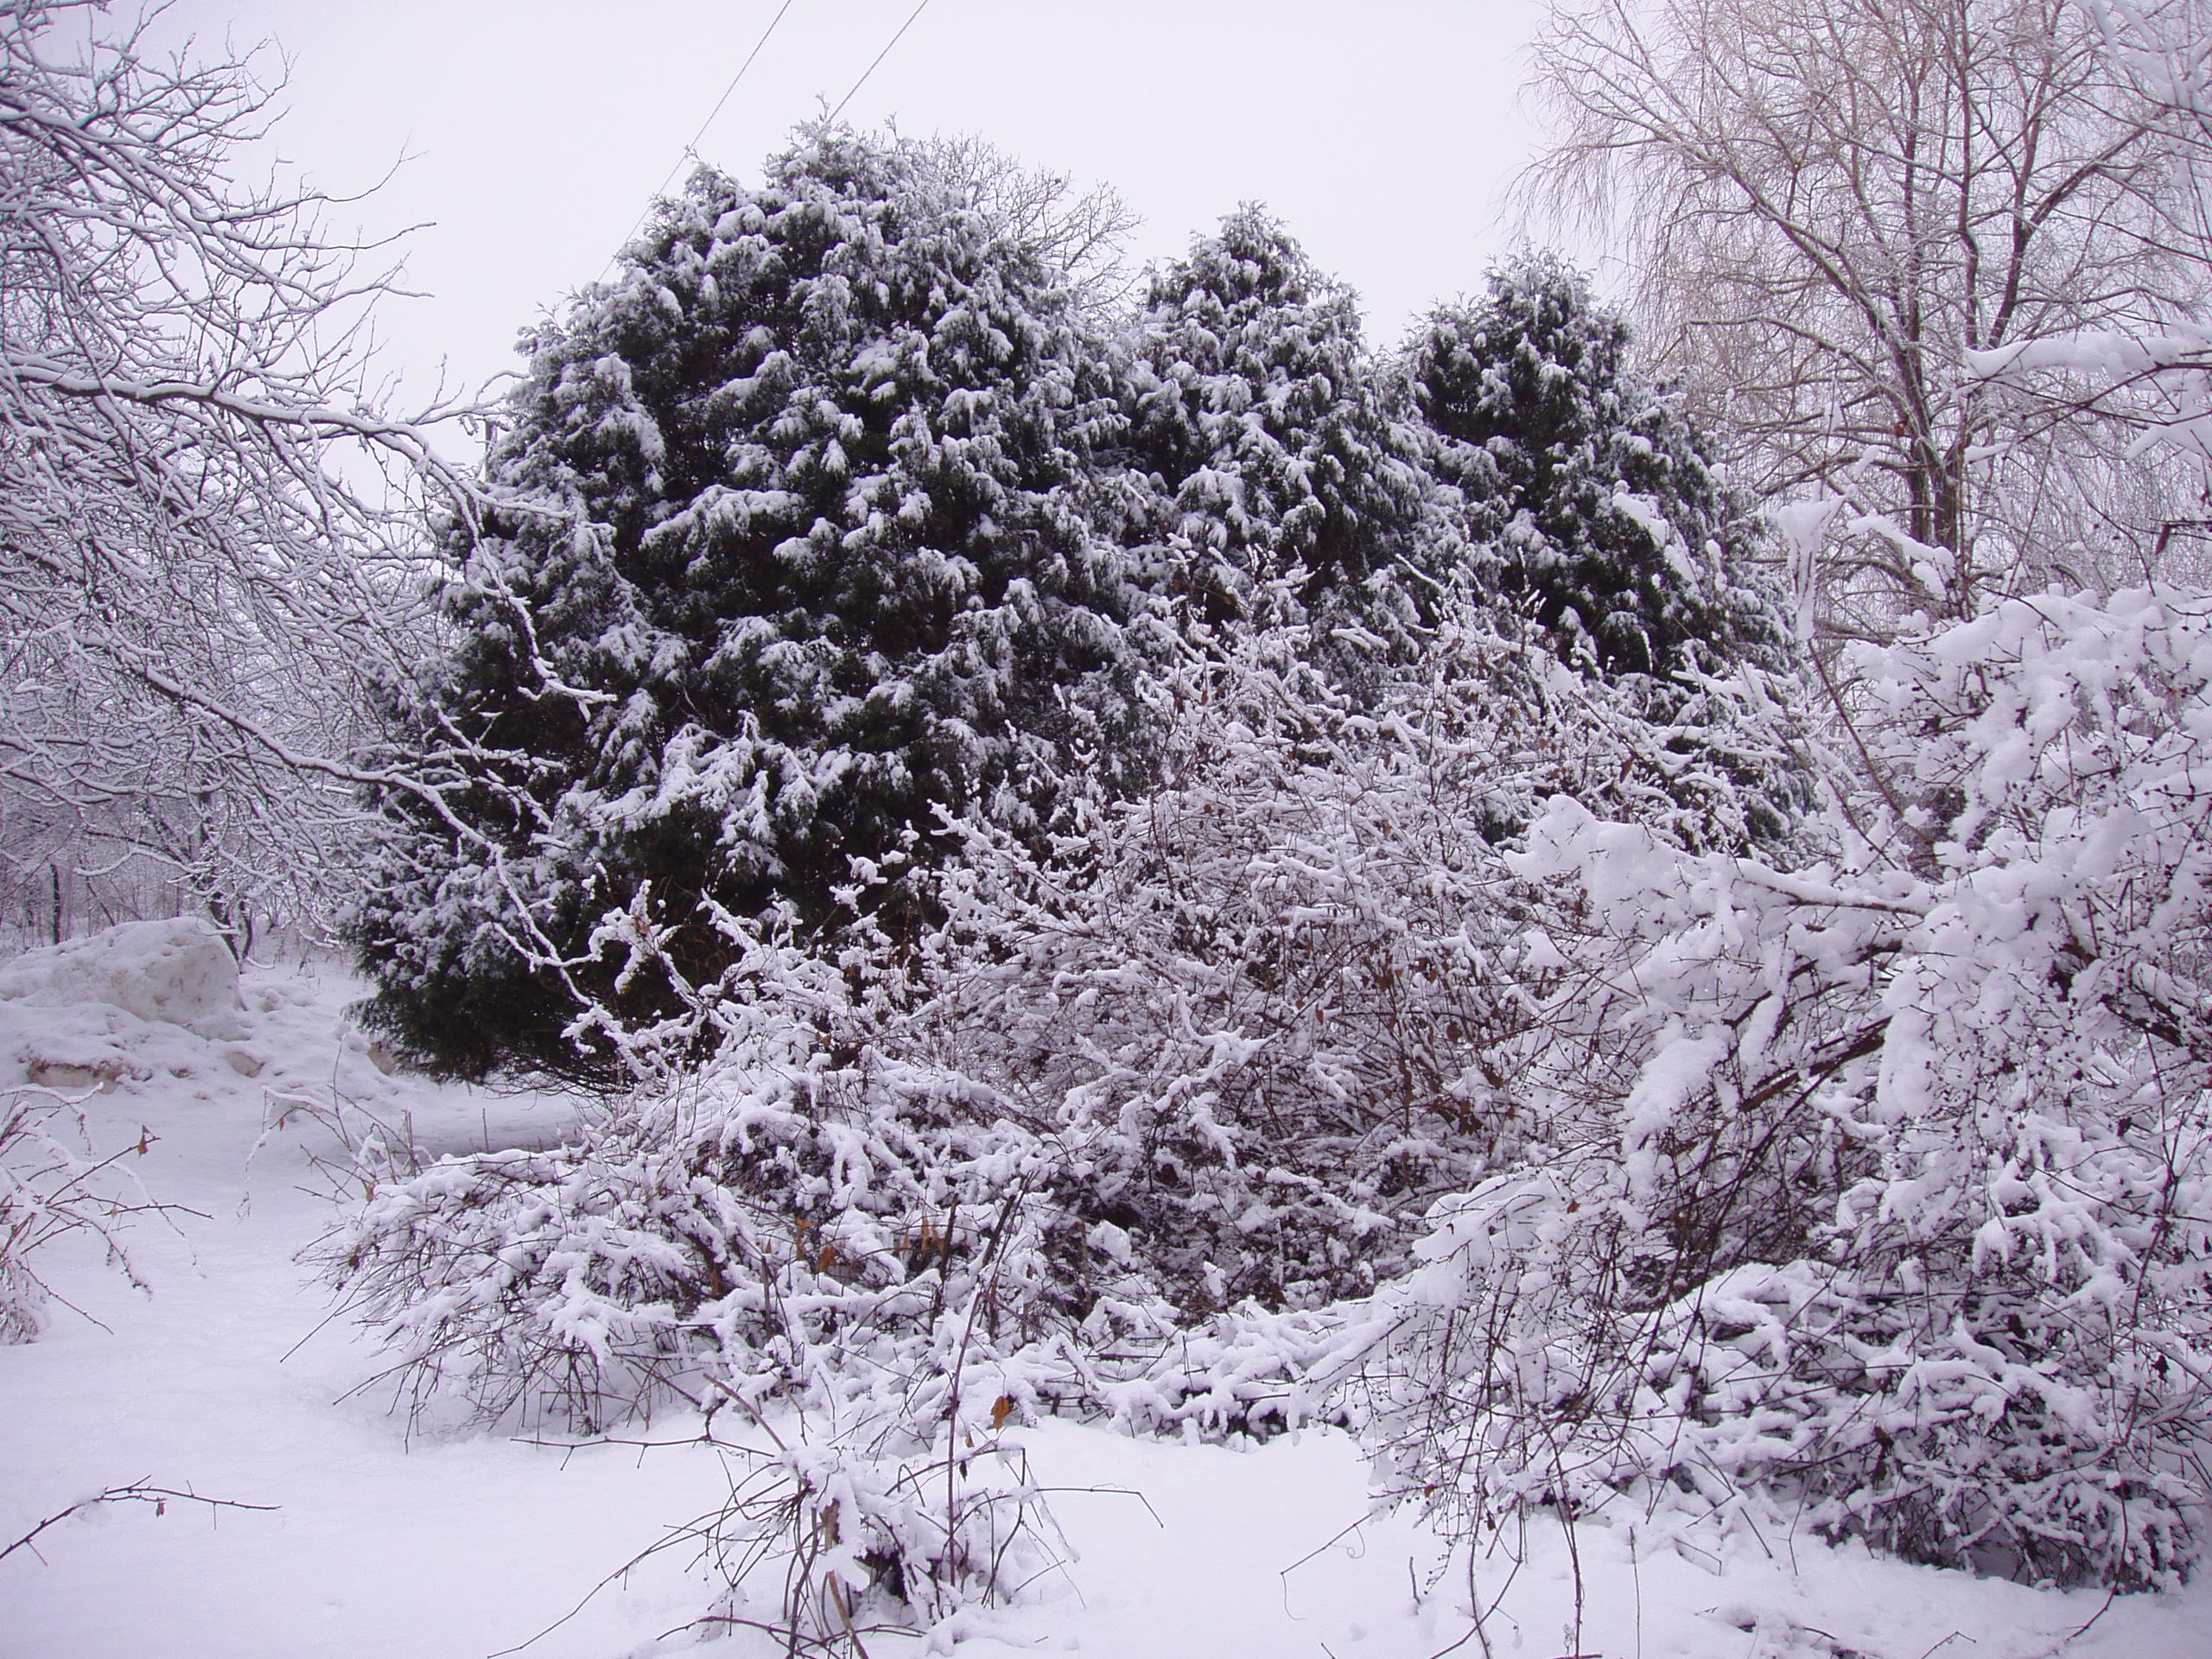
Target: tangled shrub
[[1119, 1133], [835, 1245], [1268, 1014], [1876, 1187]]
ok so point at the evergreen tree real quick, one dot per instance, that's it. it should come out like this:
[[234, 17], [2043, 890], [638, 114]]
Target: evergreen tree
[[1586, 480], [826, 571], [1267, 439]]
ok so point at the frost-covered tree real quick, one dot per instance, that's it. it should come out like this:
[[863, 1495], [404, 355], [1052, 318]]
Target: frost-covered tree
[[209, 551], [828, 572], [1268, 438], [1829, 205], [1584, 481]]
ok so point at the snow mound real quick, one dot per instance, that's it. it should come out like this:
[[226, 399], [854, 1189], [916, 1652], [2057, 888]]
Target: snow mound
[[178, 971]]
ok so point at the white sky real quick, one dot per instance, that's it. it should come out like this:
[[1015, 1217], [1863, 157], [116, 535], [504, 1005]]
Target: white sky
[[1384, 132]]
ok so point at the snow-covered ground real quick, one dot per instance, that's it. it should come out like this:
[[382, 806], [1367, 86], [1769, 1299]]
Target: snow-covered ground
[[230, 1380]]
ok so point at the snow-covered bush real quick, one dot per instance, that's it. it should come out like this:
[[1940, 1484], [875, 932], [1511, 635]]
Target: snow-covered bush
[[1876, 1186], [1266, 1011], [805, 1187], [821, 1232], [1112, 1134], [1231, 1040]]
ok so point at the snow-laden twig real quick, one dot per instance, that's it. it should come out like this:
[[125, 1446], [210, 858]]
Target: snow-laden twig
[[53, 1182]]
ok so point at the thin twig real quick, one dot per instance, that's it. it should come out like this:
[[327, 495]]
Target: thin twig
[[137, 1492]]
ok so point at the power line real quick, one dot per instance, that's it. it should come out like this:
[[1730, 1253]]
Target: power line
[[880, 57], [691, 150]]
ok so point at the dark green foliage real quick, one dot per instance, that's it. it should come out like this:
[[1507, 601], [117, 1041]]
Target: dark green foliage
[[838, 519], [827, 570], [1267, 438], [1586, 480]]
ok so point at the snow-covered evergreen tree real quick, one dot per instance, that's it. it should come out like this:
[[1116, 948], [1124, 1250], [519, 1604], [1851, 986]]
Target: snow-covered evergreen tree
[[1585, 478], [1268, 439], [822, 567]]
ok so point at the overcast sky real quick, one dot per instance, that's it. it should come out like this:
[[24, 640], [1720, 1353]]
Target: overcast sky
[[1382, 132]]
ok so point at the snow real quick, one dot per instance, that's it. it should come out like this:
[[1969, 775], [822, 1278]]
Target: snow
[[231, 1381], [90, 1012], [179, 971]]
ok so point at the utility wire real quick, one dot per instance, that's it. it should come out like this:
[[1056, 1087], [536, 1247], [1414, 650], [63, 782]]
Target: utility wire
[[691, 150], [880, 57]]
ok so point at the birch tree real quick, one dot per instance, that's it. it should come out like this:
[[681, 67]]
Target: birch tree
[[1830, 204], [2156, 383]]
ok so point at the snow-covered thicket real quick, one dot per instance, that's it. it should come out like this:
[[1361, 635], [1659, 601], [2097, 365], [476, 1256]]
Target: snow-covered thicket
[[1119, 1133], [212, 563], [205, 1384], [1462, 1069], [873, 521], [1874, 1183], [1595, 1080]]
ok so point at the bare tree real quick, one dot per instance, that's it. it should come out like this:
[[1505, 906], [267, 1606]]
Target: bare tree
[[212, 564], [2159, 382], [1831, 203], [1084, 234]]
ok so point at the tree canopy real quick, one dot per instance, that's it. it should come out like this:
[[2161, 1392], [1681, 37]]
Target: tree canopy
[[1582, 479], [825, 573]]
